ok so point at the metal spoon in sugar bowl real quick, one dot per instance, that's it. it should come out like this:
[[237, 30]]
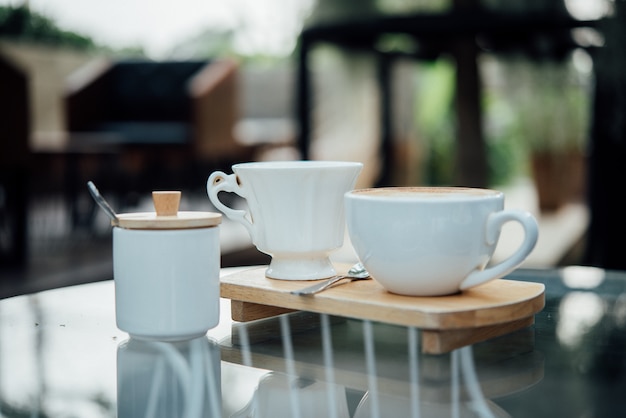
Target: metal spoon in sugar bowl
[[356, 272], [103, 203]]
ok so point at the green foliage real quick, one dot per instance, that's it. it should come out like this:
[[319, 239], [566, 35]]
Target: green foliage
[[552, 106], [506, 153], [506, 158], [436, 120], [21, 23]]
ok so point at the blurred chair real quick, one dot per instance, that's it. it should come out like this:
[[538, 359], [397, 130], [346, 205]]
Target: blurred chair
[[167, 121]]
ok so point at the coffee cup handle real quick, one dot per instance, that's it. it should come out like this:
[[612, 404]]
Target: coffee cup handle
[[222, 182], [494, 225]]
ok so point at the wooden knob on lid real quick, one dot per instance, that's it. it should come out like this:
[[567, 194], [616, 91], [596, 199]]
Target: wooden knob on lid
[[166, 203], [167, 215]]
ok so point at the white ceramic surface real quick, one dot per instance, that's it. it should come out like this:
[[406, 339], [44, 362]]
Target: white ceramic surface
[[295, 211], [433, 241], [163, 380], [166, 282], [281, 396]]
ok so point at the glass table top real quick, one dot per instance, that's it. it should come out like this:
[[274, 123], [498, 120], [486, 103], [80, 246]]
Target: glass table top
[[61, 355]]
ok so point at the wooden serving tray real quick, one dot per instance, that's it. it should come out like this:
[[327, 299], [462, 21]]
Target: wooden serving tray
[[447, 322]]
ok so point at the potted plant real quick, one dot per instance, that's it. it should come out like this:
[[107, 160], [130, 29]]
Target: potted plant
[[553, 117]]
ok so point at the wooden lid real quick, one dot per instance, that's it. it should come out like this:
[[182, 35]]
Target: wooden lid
[[167, 215]]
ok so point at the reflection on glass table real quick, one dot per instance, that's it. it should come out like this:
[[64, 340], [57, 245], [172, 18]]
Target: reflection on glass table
[[163, 379], [61, 355], [323, 363]]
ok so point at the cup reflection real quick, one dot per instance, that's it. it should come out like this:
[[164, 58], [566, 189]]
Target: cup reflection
[[163, 379], [464, 398], [280, 395], [381, 368]]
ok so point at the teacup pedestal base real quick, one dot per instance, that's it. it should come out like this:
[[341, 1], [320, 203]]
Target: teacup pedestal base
[[305, 268]]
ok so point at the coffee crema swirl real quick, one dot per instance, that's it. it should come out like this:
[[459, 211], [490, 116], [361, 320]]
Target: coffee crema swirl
[[424, 192]]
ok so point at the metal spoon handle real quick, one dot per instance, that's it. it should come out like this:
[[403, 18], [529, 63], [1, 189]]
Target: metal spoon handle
[[318, 287], [102, 203]]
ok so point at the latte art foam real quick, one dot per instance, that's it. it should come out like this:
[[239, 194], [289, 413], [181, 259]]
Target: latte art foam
[[425, 192]]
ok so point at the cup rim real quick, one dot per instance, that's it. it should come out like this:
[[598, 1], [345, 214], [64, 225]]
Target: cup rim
[[417, 193], [296, 164]]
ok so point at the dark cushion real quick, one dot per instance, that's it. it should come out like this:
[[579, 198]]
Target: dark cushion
[[137, 133], [150, 91]]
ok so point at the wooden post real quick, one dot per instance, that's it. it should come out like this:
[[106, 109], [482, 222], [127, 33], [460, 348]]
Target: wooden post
[[471, 154], [14, 170]]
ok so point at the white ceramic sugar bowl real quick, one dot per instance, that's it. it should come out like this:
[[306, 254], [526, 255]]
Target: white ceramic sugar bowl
[[166, 271]]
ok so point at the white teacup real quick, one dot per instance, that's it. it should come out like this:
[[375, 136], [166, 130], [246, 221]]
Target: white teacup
[[429, 241], [295, 211]]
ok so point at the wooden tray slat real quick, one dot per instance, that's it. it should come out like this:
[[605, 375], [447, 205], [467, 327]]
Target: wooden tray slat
[[494, 303]]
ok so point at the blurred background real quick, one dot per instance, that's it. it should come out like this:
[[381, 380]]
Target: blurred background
[[138, 95]]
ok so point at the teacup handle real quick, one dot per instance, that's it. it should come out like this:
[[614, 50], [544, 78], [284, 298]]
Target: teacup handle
[[494, 224], [222, 182]]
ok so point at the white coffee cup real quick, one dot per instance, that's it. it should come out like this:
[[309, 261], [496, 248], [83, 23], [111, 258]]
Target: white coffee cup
[[166, 274], [433, 241], [295, 211]]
